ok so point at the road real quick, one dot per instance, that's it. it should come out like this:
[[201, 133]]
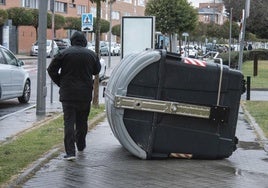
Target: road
[[9, 107]]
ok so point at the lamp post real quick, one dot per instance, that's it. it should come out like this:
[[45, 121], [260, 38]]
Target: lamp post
[[52, 7], [41, 73], [110, 32], [230, 35], [242, 32]]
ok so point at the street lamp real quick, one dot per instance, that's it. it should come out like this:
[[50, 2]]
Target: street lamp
[[110, 32], [230, 35]]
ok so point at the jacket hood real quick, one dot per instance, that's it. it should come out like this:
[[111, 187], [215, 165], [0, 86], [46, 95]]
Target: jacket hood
[[78, 39]]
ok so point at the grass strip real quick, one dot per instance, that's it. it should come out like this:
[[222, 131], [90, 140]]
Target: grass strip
[[261, 80], [28, 147], [259, 110]]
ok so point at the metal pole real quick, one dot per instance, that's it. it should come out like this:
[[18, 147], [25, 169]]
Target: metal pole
[[248, 87], [240, 61], [53, 36], [110, 33], [230, 35], [41, 73]]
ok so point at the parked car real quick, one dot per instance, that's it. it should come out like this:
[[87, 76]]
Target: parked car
[[14, 80], [102, 73], [91, 46], [191, 51], [34, 49], [115, 49], [180, 50], [104, 48], [188, 51], [62, 44], [67, 40]]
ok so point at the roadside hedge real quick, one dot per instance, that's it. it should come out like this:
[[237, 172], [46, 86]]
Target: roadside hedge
[[261, 54]]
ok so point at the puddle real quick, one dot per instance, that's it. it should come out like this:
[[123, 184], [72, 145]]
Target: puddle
[[249, 145]]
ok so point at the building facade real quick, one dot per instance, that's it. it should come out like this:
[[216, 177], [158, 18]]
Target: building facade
[[71, 8], [210, 11]]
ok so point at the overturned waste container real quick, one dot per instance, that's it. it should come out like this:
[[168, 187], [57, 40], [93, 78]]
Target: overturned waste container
[[160, 105]]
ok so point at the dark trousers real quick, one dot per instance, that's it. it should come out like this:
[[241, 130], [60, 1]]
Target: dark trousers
[[75, 116]]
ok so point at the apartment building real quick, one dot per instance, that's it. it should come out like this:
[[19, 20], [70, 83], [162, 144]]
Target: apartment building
[[67, 8], [195, 3]]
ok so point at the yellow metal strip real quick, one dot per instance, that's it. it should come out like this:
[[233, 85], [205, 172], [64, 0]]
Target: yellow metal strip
[[162, 106]]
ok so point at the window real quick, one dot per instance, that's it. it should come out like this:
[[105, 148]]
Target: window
[[93, 10], [128, 1], [126, 14], [206, 18], [115, 15], [81, 9], [11, 60], [30, 3], [60, 7], [2, 2], [2, 59], [141, 3]]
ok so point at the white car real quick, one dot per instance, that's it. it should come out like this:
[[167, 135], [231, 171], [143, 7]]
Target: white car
[[34, 49], [14, 80], [91, 46], [115, 49], [102, 73], [191, 51]]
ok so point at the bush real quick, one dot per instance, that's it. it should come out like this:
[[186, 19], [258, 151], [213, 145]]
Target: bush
[[234, 58], [262, 54]]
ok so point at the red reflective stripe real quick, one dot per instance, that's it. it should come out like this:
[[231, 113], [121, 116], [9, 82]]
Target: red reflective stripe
[[195, 62]]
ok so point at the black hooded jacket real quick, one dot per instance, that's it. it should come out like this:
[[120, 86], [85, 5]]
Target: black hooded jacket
[[72, 70]]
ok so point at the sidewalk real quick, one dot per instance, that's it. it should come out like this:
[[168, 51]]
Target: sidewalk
[[106, 164]]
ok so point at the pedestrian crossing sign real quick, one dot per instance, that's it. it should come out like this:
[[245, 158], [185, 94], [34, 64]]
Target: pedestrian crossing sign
[[87, 22]]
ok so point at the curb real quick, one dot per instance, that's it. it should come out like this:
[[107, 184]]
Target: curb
[[38, 164]]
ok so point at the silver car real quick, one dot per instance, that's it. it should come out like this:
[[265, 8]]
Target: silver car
[[49, 51], [14, 80]]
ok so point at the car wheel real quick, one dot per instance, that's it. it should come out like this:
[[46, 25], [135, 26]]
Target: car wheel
[[26, 93]]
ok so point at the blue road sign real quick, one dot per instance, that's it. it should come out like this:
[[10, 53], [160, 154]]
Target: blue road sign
[[87, 22]]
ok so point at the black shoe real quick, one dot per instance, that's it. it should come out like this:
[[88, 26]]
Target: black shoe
[[69, 157]]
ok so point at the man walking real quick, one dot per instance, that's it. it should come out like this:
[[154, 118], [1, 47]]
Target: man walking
[[72, 70]]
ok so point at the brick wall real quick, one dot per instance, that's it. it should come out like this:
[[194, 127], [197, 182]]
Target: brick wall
[[27, 34]]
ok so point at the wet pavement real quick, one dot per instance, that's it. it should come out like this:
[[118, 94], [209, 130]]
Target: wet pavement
[[106, 164]]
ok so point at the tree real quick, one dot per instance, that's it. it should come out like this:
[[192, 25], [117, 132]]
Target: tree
[[75, 23], [35, 23], [173, 16], [104, 26], [225, 30], [19, 16], [72, 23], [199, 33], [59, 21], [116, 30], [3, 17], [95, 100], [258, 11]]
